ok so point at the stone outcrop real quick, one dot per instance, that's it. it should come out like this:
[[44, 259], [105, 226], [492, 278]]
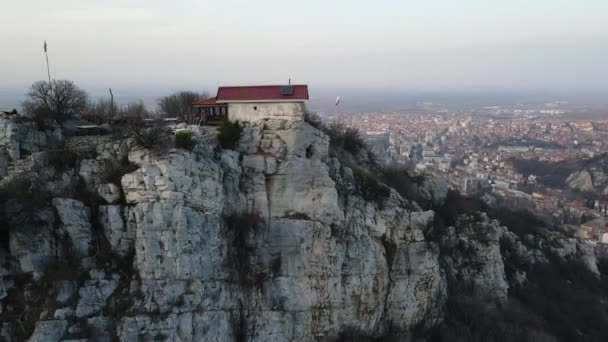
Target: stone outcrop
[[115, 228], [269, 242], [473, 256], [15, 138], [32, 242], [592, 177], [74, 218]]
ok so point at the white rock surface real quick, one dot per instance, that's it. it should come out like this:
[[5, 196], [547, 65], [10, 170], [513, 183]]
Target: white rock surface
[[115, 229], [75, 221], [417, 288], [92, 296], [475, 258], [317, 261], [49, 331]]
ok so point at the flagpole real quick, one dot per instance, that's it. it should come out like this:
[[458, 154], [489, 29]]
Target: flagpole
[[48, 68]]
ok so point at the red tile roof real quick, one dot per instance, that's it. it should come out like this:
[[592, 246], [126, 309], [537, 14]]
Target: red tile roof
[[207, 102], [261, 93]]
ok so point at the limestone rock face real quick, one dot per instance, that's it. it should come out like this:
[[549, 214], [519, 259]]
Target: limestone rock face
[[15, 138], [592, 177], [93, 294], [115, 229], [32, 242], [302, 185], [474, 256], [91, 170], [179, 178], [272, 241], [74, 217], [49, 331], [308, 267], [581, 180], [417, 287], [9, 138], [586, 250]]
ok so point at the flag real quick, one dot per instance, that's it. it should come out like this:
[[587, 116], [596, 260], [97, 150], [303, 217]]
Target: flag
[[337, 100], [45, 46]]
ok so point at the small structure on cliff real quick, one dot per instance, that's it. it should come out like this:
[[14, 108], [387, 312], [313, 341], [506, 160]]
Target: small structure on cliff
[[252, 103]]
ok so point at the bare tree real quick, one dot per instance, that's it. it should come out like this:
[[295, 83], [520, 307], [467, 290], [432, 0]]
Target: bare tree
[[58, 100], [135, 110], [105, 108], [179, 104]]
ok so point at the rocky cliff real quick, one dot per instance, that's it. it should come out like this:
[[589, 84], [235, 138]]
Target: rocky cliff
[[275, 240], [592, 177]]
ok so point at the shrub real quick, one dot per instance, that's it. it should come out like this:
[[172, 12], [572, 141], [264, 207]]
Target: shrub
[[520, 222], [60, 155], [112, 173], [370, 187], [456, 204], [570, 298], [562, 301], [229, 134], [399, 179], [155, 137], [62, 160], [297, 216], [345, 138], [28, 192], [17, 188], [183, 139], [314, 120]]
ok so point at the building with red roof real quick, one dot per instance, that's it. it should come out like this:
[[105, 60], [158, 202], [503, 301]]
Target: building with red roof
[[253, 103]]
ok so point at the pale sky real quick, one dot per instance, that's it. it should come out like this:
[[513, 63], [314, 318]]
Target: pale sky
[[404, 44]]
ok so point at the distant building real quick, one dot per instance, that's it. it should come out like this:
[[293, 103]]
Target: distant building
[[253, 103], [604, 238]]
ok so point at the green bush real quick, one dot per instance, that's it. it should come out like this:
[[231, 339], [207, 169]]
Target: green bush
[[183, 139], [229, 134]]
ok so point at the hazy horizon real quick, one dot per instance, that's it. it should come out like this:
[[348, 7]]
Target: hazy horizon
[[469, 45]]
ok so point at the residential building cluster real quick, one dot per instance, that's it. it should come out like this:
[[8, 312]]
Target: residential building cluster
[[474, 150]]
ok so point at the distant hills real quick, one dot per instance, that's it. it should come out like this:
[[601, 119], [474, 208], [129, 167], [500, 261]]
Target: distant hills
[[353, 100]]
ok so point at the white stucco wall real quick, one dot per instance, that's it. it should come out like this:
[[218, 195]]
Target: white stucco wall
[[255, 111]]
